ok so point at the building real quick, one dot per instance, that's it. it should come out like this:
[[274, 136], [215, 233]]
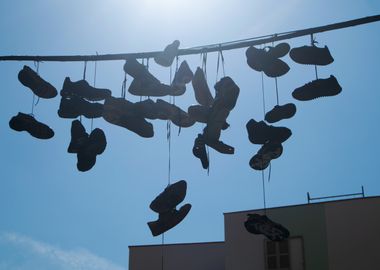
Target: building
[[334, 235]]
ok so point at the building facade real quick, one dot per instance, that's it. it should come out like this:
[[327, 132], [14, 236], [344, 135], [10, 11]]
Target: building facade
[[335, 235]]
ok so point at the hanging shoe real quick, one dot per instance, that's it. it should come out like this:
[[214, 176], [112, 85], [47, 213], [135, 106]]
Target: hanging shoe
[[121, 112], [174, 113], [79, 137], [311, 55], [318, 88], [74, 106], [201, 114], [145, 88], [41, 88], [26, 122], [138, 71], [268, 152], [260, 132], [172, 196], [261, 224], [220, 146], [147, 109], [183, 76], [226, 93], [256, 58], [280, 112], [199, 151], [96, 144], [166, 57], [278, 51], [201, 89], [276, 68], [168, 220], [83, 89]]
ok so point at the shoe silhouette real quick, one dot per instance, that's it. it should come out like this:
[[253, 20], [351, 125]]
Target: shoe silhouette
[[220, 146], [147, 109], [172, 112], [41, 88], [172, 196], [26, 122], [168, 220], [280, 112], [260, 132], [95, 145], [166, 57], [121, 112], [201, 90], [311, 55], [201, 114], [83, 89], [199, 151], [318, 88], [268, 152], [74, 106], [261, 224], [79, 137], [226, 94], [267, 59], [140, 87], [183, 76]]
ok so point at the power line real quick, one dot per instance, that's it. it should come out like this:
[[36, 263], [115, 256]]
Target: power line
[[200, 49]]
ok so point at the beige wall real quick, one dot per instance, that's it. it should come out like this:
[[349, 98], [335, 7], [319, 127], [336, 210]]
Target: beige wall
[[353, 232], [197, 256]]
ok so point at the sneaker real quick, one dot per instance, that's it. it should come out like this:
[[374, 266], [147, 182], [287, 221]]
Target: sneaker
[[227, 93], [172, 196], [220, 146], [201, 114], [183, 76], [147, 109], [311, 55], [166, 57], [83, 89], [121, 112], [280, 112], [145, 88], [268, 152], [201, 89], [276, 68], [318, 88], [278, 51], [174, 113], [168, 220], [41, 88], [138, 71], [96, 144], [26, 122], [79, 137], [199, 151], [74, 106], [260, 132], [261, 224]]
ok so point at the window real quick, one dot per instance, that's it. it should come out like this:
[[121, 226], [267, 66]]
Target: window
[[284, 255]]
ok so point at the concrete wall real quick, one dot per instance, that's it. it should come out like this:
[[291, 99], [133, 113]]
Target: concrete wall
[[353, 231], [199, 256], [245, 251]]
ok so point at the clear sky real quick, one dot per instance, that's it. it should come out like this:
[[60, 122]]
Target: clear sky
[[54, 217]]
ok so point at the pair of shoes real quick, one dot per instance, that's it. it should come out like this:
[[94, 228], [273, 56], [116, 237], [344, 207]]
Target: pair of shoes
[[121, 112], [183, 76], [271, 139], [87, 147], [261, 224], [145, 84], [280, 112], [311, 55], [27, 122], [166, 57], [267, 59], [165, 205], [75, 99], [39, 86], [318, 88]]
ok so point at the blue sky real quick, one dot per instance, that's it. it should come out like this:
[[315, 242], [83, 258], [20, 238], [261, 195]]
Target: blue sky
[[54, 217]]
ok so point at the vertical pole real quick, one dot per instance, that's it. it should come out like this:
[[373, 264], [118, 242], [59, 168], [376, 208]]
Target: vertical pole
[[308, 197]]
